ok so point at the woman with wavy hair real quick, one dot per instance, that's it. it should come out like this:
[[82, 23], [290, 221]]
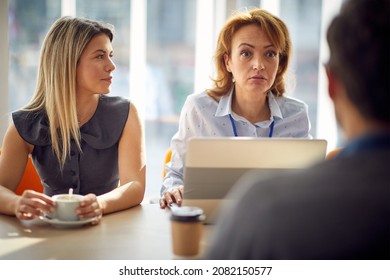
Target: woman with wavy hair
[[248, 98]]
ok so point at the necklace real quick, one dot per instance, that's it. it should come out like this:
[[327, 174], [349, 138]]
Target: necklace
[[85, 115], [81, 120]]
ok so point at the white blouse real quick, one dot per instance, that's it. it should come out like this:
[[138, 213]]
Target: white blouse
[[202, 116]]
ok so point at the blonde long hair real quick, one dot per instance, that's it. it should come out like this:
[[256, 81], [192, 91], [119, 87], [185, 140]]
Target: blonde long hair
[[55, 92], [276, 31]]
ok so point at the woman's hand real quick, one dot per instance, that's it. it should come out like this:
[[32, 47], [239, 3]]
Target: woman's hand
[[90, 208], [171, 196], [32, 204]]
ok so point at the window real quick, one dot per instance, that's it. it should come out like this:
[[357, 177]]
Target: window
[[180, 37], [28, 22]]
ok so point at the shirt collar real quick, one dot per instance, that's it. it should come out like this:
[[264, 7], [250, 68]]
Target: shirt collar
[[274, 107], [225, 105]]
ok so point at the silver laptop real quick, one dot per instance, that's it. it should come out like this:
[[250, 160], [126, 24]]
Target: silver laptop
[[213, 165]]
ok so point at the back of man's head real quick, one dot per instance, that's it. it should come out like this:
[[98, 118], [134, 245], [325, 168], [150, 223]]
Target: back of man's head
[[358, 39]]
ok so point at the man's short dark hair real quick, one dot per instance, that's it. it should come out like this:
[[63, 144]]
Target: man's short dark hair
[[358, 39]]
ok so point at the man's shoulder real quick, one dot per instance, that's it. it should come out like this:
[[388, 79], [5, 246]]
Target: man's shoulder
[[338, 175]]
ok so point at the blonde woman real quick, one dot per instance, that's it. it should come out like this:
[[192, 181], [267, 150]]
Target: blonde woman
[[248, 99], [77, 136]]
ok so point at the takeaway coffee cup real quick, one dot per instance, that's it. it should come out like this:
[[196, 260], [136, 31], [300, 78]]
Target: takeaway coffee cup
[[66, 206], [187, 227]]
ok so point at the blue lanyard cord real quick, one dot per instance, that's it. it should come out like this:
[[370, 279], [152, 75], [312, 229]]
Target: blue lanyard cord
[[233, 125], [271, 127]]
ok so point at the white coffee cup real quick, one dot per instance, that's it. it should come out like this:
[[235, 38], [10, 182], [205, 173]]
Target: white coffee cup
[[66, 206]]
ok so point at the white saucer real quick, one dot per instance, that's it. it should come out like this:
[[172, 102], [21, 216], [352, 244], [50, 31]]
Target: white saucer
[[66, 224]]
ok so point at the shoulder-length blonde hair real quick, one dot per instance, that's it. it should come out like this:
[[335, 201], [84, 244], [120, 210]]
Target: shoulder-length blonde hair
[[276, 31], [55, 93]]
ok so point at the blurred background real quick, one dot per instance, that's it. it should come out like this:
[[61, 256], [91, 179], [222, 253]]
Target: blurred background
[[163, 52]]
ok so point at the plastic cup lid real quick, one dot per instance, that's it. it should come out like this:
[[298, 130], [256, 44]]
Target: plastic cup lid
[[187, 211]]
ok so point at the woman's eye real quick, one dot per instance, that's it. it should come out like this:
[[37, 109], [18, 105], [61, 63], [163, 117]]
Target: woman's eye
[[246, 53], [270, 54], [100, 56]]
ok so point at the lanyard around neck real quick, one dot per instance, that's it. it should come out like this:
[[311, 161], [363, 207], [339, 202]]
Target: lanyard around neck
[[271, 127]]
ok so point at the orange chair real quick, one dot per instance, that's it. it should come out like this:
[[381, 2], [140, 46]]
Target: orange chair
[[30, 179], [168, 155], [167, 159]]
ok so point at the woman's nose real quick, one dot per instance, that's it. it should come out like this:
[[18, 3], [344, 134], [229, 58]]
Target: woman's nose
[[258, 65], [258, 62], [110, 66]]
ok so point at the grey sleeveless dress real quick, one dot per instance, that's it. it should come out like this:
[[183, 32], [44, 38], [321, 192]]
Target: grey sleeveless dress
[[95, 168]]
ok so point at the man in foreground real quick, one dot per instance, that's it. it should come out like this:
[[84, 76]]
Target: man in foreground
[[338, 209]]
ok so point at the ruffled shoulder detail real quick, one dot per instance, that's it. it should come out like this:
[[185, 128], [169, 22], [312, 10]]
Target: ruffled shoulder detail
[[33, 127], [102, 131], [105, 127]]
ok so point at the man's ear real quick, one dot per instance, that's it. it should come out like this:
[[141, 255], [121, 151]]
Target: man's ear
[[333, 83]]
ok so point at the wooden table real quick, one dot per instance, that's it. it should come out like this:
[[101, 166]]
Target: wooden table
[[142, 232]]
